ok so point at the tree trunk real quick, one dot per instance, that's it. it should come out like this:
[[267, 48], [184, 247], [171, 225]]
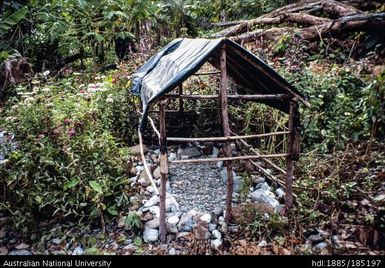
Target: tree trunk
[[342, 18], [354, 23]]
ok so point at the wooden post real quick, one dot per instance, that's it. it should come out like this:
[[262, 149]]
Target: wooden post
[[226, 132], [289, 159], [180, 87], [163, 172]]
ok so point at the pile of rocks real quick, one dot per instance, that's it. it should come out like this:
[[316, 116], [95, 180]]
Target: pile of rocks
[[196, 195], [183, 225]]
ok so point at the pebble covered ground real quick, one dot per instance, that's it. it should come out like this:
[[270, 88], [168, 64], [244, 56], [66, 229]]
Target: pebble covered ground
[[198, 186]]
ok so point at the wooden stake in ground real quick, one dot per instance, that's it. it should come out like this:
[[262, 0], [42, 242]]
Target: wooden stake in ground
[[226, 131], [180, 87], [163, 172], [289, 158]]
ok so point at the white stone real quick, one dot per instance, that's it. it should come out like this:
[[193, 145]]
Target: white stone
[[189, 153], [263, 186], [263, 243], [206, 217], [172, 251], [173, 220], [139, 169], [280, 193], [258, 180], [150, 235], [320, 246], [152, 224], [212, 227], [237, 180], [78, 251], [144, 182], [216, 243], [264, 196], [186, 222], [154, 210], [217, 234], [171, 203], [218, 211], [215, 152], [172, 157], [192, 212], [150, 189], [171, 228], [151, 202], [220, 164]]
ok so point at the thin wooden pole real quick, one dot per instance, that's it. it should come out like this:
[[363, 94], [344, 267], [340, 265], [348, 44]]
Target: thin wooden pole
[[226, 132], [267, 161], [229, 97], [229, 159], [180, 87], [208, 73], [289, 159], [180, 139], [163, 172]]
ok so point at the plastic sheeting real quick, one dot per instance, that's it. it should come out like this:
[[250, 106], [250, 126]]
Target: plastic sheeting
[[182, 57]]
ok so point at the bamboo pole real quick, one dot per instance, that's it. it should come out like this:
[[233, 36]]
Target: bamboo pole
[[180, 87], [230, 97], [226, 132], [208, 73], [229, 158], [230, 138], [163, 172], [267, 161]]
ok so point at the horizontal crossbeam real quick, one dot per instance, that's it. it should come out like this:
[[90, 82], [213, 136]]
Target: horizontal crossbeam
[[230, 138], [244, 157], [230, 97]]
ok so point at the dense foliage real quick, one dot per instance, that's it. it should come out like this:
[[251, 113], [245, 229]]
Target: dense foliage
[[71, 156], [52, 33]]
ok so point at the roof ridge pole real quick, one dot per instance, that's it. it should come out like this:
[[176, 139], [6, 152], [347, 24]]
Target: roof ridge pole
[[163, 171], [226, 131]]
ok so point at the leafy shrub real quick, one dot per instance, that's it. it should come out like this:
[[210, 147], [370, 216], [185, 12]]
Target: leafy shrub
[[71, 159], [340, 108]]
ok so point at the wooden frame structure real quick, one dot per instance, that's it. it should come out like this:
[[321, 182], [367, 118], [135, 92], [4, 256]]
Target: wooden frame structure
[[293, 143]]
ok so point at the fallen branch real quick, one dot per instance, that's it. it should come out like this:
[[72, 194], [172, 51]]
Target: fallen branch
[[349, 24], [339, 9], [346, 19]]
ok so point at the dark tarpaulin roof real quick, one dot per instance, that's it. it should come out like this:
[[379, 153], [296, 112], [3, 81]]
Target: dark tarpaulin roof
[[183, 57]]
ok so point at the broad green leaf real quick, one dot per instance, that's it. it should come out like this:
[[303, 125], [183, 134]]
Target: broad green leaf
[[92, 251], [13, 19], [96, 186], [70, 184], [4, 55], [112, 210], [138, 241]]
